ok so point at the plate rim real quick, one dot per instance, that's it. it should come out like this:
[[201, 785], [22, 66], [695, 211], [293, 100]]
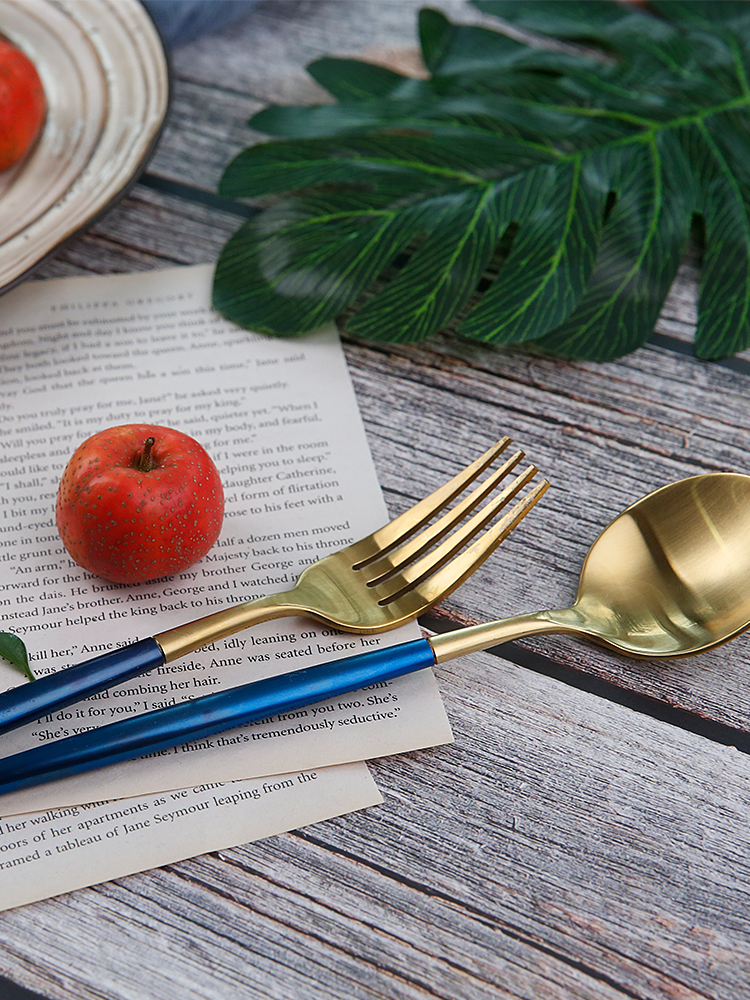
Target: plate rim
[[95, 208]]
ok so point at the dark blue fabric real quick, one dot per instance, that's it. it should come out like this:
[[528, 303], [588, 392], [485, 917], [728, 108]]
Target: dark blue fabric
[[10, 991], [184, 20]]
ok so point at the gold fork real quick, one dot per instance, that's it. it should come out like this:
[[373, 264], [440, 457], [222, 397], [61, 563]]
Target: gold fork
[[386, 579], [393, 575]]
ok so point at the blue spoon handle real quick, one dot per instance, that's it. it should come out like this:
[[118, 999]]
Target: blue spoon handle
[[213, 713], [32, 701]]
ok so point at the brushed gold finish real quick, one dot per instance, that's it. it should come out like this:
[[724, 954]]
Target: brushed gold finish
[[395, 574], [669, 577]]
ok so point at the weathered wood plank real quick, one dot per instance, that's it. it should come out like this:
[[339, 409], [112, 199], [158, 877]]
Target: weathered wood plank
[[205, 128], [563, 847], [604, 435], [266, 54], [145, 231]]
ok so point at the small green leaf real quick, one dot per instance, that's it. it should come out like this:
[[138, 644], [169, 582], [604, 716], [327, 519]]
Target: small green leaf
[[520, 193], [13, 649]]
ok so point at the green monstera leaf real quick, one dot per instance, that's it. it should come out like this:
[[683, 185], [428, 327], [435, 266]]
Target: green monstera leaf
[[519, 193]]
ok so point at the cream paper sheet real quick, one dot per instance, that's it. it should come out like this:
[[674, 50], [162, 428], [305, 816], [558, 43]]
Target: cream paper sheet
[[47, 853], [281, 422]]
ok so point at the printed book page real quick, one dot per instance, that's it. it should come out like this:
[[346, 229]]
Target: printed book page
[[47, 853], [280, 420]]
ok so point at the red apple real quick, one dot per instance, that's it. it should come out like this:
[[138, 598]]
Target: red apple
[[138, 502], [22, 104]]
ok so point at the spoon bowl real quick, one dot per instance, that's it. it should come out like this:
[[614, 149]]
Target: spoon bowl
[[670, 576]]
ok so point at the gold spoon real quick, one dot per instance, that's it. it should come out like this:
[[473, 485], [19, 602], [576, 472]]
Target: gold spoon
[[670, 576]]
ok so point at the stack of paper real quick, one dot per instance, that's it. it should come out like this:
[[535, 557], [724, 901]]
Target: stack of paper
[[280, 420]]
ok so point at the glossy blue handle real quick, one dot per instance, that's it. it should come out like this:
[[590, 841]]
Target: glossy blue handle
[[38, 698], [213, 713]]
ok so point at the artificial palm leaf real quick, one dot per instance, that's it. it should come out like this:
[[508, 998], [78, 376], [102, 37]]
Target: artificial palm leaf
[[518, 193]]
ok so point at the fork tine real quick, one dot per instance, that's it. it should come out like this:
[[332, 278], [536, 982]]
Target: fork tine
[[419, 544], [438, 585], [411, 575], [400, 528]]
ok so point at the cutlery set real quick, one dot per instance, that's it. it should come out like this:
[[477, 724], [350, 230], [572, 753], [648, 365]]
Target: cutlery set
[[667, 578]]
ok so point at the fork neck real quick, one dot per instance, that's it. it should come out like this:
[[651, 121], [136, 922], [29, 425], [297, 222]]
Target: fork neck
[[463, 641], [184, 639]]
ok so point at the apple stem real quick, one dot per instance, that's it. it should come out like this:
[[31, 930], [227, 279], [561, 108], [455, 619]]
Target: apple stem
[[146, 462]]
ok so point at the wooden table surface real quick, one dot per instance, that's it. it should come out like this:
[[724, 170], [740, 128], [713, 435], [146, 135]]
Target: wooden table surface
[[588, 833]]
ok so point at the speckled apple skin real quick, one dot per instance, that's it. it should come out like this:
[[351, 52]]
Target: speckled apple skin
[[22, 104], [130, 526]]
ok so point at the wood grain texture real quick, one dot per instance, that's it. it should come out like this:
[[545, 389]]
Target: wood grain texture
[[647, 420], [566, 846], [524, 861]]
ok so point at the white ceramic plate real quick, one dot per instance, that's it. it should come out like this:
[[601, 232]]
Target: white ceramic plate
[[106, 80]]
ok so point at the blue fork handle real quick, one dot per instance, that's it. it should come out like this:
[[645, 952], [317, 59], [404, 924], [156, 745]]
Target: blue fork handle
[[213, 713], [33, 701]]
